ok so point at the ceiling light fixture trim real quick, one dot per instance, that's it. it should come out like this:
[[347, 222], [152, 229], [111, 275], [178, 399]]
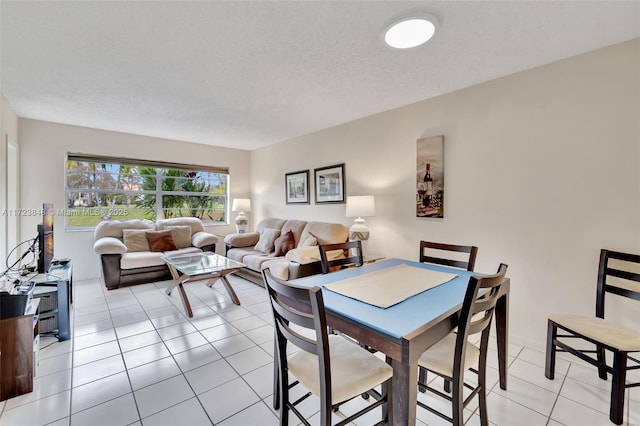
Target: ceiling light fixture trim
[[410, 31]]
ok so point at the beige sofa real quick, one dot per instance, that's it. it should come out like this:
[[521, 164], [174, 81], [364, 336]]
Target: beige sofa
[[126, 253], [301, 258]]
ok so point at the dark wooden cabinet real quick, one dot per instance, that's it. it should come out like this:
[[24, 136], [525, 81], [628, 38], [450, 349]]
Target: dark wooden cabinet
[[18, 335]]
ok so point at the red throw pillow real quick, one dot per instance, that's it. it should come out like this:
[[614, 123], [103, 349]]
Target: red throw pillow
[[284, 243], [161, 240]]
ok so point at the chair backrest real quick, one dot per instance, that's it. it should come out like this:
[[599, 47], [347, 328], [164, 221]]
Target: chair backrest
[[303, 307], [618, 273], [347, 259], [477, 312], [467, 264]]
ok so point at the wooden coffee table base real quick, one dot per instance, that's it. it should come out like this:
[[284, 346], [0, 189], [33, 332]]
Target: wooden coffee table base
[[180, 280]]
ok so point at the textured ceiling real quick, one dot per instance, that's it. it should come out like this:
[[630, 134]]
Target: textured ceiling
[[248, 74]]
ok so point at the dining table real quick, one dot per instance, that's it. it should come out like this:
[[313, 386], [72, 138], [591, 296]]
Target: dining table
[[406, 329]]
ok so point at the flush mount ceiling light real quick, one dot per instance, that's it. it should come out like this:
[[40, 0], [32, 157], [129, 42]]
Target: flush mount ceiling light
[[410, 32]]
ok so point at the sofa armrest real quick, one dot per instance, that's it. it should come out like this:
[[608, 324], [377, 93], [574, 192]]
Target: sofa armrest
[[242, 240], [201, 239], [111, 270], [279, 268], [109, 245]]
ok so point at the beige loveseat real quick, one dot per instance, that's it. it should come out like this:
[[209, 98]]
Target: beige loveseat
[[297, 238], [131, 250]]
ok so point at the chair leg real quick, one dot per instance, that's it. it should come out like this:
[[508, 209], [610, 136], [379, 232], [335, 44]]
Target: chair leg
[[550, 362], [457, 402], [386, 405], [602, 372], [482, 394], [276, 382], [364, 395], [283, 400], [422, 378], [616, 411]]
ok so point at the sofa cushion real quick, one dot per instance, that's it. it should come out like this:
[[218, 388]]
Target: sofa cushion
[[114, 228], [194, 223], [161, 241], [254, 261], [181, 235], [304, 255], [296, 227], [135, 240], [284, 243], [270, 223], [267, 240], [238, 254], [109, 245], [308, 241], [141, 259], [181, 251], [201, 239], [326, 233]]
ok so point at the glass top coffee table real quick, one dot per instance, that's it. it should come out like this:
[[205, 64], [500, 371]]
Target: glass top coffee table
[[200, 266]]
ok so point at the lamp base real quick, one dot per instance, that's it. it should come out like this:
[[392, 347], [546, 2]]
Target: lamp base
[[358, 230], [241, 223]]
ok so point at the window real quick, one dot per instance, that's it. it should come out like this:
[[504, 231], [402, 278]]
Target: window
[[98, 188]]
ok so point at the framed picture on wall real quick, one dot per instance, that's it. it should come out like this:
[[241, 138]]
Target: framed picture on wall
[[297, 187], [430, 177], [329, 184]]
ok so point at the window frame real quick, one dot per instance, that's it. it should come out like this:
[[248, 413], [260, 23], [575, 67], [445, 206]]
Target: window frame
[[159, 193]]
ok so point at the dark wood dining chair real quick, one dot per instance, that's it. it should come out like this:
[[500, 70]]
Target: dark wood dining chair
[[349, 258], [441, 254], [334, 369], [346, 258], [454, 355], [618, 274]]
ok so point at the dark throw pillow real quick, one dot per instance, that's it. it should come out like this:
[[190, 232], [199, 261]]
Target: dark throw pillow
[[161, 240], [284, 243]]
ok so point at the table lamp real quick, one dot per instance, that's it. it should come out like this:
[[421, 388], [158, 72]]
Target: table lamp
[[358, 206], [241, 205]]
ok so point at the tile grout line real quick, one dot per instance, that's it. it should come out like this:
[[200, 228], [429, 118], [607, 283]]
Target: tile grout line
[[549, 419], [222, 357]]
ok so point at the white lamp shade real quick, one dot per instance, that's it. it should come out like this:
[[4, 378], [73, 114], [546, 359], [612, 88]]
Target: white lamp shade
[[241, 205], [361, 206]]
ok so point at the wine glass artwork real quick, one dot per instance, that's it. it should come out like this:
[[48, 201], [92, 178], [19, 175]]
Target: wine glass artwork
[[422, 190]]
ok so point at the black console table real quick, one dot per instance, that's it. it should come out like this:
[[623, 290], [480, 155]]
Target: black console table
[[55, 291]]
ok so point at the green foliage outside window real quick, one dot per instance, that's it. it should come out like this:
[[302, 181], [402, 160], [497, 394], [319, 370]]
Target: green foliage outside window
[[97, 191]]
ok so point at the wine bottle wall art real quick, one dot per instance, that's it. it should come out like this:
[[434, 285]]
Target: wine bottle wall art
[[430, 177]]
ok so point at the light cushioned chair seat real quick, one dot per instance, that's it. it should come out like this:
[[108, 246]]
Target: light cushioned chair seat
[[439, 357], [353, 370], [614, 335]]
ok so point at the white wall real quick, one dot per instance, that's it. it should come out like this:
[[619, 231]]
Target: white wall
[[541, 172], [8, 186], [43, 146]]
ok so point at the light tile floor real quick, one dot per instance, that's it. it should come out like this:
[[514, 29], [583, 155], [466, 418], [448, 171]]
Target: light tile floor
[[137, 359]]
